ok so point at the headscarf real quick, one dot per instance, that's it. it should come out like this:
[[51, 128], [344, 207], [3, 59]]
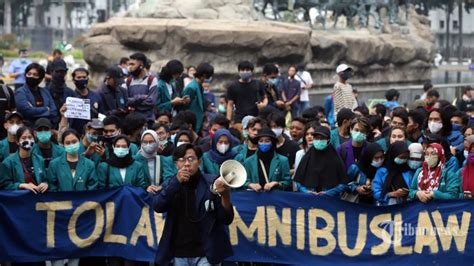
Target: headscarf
[[155, 137], [216, 156], [366, 158], [468, 171], [394, 178], [183, 132], [124, 162], [434, 138], [321, 169], [429, 179]]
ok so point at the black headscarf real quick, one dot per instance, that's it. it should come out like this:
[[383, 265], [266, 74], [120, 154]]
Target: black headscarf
[[321, 169], [265, 157], [366, 158], [394, 178], [124, 162]]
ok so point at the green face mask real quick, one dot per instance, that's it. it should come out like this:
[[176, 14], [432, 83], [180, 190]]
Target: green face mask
[[320, 144], [44, 136], [121, 152], [72, 148], [358, 136]]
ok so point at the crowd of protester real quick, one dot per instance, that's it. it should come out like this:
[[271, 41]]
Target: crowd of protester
[[382, 155]]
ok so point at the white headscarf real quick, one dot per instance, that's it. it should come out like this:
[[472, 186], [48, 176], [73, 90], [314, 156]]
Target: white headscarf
[[155, 137]]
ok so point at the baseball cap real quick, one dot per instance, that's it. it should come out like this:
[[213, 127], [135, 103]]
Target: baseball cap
[[342, 67], [416, 150], [115, 73], [322, 131], [9, 115], [43, 122], [95, 124]]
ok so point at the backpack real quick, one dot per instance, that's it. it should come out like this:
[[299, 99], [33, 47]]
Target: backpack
[[149, 80], [7, 94]]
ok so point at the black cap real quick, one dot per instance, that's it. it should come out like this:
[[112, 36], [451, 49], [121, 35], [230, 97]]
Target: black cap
[[322, 131], [43, 122], [9, 115], [59, 65], [266, 132], [115, 73]]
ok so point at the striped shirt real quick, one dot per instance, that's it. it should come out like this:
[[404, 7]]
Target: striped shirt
[[343, 97]]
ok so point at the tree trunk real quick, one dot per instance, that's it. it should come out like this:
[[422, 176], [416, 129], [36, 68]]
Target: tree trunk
[[460, 7], [39, 13], [448, 26], [7, 17]]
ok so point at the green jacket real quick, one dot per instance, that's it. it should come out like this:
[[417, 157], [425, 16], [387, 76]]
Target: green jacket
[[448, 187], [196, 94], [163, 101], [4, 149], [134, 176], [212, 168], [279, 170], [59, 176], [12, 171], [167, 168], [335, 142], [57, 150]]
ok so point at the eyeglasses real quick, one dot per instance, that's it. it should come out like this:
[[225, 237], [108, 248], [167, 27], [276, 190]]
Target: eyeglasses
[[190, 159]]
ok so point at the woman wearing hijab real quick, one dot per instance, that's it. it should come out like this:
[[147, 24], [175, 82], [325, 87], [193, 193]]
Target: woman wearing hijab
[[121, 169], [362, 173], [266, 169], [23, 169], [391, 182], [467, 173], [451, 164], [153, 164], [321, 171], [433, 181], [221, 151]]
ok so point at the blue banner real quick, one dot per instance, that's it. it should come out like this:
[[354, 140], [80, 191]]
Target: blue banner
[[276, 227]]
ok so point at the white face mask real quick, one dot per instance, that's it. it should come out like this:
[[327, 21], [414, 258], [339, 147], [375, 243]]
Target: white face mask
[[222, 148], [466, 153], [13, 129], [179, 143], [277, 131], [435, 127], [377, 164]]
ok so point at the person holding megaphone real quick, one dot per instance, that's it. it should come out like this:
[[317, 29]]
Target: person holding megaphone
[[198, 208]]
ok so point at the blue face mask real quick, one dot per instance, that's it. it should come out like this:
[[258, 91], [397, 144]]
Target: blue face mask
[[456, 127], [120, 152], [399, 161], [273, 82], [358, 136], [264, 147], [91, 138], [245, 75], [414, 164], [320, 144]]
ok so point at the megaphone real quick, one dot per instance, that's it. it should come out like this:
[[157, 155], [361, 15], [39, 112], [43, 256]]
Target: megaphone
[[232, 173]]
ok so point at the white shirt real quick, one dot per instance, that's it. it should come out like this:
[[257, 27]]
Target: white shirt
[[305, 79], [170, 89], [123, 172], [299, 155]]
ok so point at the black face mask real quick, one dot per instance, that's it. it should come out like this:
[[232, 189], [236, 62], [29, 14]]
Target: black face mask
[[137, 71], [58, 78], [32, 82], [253, 140]]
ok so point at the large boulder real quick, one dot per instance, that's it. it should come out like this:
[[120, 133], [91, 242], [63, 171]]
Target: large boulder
[[404, 55]]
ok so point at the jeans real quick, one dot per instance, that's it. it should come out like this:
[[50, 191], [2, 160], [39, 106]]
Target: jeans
[[196, 261]]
